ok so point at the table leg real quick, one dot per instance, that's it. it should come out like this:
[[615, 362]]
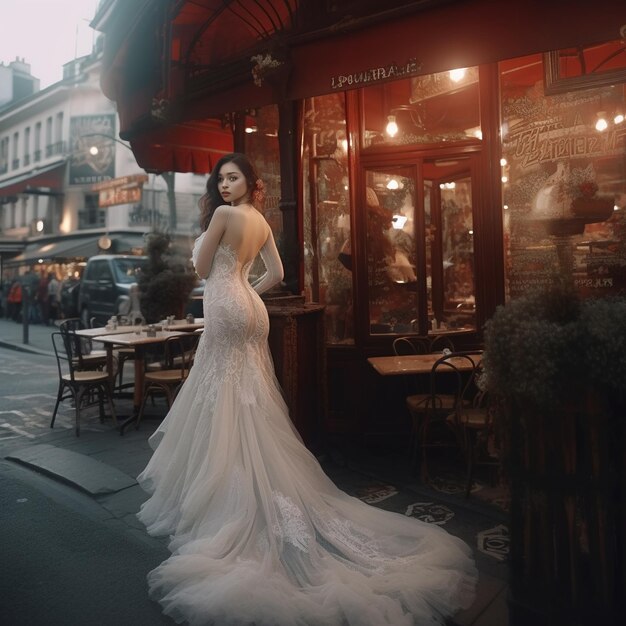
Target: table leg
[[138, 390]]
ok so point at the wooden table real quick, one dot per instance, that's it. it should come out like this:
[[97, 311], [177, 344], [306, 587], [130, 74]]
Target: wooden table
[[138, 341], [184, 325], [416, 363]]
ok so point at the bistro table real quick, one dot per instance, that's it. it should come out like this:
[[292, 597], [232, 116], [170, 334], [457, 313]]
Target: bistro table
[[417, 363], [139, 341]]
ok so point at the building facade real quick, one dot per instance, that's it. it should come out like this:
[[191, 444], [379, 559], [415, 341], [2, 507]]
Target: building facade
[[59, 151], [424, 161]]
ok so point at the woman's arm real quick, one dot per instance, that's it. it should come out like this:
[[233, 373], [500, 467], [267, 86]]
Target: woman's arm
[[211, 240], [274, 272]]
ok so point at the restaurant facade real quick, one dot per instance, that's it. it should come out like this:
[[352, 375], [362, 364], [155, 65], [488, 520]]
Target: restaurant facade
[[424, 162]]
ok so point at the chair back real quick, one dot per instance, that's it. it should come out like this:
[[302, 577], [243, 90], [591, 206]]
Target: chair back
[[80, 346], [410, 345], [62, 345], [439, 343], [454, 374], [179, 352]]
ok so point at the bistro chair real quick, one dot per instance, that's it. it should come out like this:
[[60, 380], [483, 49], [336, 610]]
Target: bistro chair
[[430, 423], [178, 355], [86, 358], [473, 418], [80, 385], [410, 345], [440, 343]]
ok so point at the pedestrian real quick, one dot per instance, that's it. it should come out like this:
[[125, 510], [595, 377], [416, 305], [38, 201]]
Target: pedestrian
[[259, 534], [53, 298], [14, 300]]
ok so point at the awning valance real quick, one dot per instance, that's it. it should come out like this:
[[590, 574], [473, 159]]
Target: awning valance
[[71, 248], [190, 147], [50, 176]]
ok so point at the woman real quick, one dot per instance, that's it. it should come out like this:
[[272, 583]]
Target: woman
[[259, 534]]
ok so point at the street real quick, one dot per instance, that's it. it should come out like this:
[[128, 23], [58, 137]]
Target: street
[[28, 388], [68, 558]]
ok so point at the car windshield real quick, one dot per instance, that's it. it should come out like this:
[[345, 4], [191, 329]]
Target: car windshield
[[127, 270]]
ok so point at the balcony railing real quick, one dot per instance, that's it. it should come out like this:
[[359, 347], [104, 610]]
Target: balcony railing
[[55, 148]]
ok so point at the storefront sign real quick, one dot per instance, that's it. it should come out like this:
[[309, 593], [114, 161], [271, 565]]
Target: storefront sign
[[119, 195], [375, 74], [122, 181]]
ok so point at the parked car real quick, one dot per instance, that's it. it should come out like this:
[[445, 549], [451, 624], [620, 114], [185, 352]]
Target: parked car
[[105, 285]]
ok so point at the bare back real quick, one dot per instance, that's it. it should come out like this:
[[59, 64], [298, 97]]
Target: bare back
[[246, 232]]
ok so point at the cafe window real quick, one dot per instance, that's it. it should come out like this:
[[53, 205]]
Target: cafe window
[[564, 173], [327, 239], [422, 110], [261, 146]]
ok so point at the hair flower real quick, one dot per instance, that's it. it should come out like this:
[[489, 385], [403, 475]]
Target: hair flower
[[258, 195]]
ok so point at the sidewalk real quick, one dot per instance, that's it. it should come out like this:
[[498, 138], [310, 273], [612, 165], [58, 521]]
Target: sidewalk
[[103, 465], [39, 341]]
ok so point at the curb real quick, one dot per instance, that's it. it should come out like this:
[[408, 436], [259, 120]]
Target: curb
[[24, 348]]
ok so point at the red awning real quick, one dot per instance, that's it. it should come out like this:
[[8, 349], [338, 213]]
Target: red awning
[[196, 75], [190, 147], [50, 176]]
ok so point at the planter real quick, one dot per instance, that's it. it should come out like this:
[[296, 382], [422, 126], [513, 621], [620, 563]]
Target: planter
[[568, 520]]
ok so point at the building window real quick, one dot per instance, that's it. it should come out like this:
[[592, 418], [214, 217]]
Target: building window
[[422, 110], [27, 146], [37, 151], [12, 213], [16, 161], [4, 155], [327, 214], [261, 145], [563, 178], [49, 136], [91, 216]]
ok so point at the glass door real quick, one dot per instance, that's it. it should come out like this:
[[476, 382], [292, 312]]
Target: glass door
[[420, 247], [391, 251]]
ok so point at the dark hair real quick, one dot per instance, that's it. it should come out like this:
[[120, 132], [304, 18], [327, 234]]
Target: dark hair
[[212, 197]]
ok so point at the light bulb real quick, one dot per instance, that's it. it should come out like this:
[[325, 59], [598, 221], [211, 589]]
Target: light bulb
[[393, 184], [457, 75], [503, 162], [601, 124], [93, 150], [618, 119], [392, 127]]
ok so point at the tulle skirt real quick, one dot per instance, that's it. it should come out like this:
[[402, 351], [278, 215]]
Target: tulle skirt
[[260, 535]]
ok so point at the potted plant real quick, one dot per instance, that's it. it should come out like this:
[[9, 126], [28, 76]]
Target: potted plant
[[559, 365], [167, 281]]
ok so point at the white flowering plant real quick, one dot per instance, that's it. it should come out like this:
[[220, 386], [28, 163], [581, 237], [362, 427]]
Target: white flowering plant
[[264, 64], [543, 346]]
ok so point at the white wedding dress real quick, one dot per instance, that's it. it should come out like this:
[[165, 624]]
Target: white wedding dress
[[259, 534]]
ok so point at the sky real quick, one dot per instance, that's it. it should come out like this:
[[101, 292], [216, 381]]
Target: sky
[[46, 34]]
